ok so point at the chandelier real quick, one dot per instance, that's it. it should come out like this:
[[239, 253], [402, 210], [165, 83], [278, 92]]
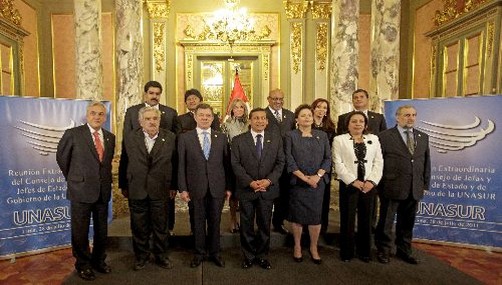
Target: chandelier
[[231, 24]]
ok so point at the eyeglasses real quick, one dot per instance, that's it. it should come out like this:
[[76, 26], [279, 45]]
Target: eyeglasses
[[276, 99]]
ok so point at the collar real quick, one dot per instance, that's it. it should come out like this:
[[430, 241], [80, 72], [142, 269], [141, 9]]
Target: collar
[[148, 136], [100, 131], [155, 106], [274, 110], [199, 131], [254, 134]]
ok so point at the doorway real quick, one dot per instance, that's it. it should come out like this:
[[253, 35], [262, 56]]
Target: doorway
[[216, 75]]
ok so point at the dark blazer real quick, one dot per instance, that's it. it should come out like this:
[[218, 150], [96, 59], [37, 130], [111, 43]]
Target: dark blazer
[[186, 122], [247, 167], [148, 174], [196, 175], [403, 170], [167, 119], [376, 123], [86, 176], [288, 122]]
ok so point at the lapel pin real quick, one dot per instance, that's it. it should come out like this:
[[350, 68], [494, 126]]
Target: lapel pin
[[163, 140], [215, 136], [268, 141]]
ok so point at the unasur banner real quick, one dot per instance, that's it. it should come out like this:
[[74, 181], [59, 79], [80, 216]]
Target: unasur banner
[[34, 212], [463, 204]]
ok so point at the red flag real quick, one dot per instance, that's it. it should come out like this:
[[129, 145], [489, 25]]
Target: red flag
[[237, 93]]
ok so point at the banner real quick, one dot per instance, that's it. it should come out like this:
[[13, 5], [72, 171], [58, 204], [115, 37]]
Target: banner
[[34, 212], [464, 198]]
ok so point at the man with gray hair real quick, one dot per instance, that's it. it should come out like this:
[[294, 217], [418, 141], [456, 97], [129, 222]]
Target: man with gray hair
[[146, 177]]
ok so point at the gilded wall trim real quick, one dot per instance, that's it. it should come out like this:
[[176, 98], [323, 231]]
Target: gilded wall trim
[[296, 10], [322, 45], [159, 53], [489, 41], [453, 9], [158, 9], [296, 45], [320, 10], [8, 12]]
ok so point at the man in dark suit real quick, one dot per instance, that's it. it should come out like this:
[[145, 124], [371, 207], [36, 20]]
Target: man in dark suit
[[186, 122], [257, 161], [202, 179], [406, 175], [84, 155], [153, 91], [280, 121], [146, 177], [360, 101]]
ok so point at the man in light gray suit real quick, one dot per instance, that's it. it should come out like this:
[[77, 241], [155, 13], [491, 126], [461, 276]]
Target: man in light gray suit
[[406, 175], [145, 177], [203, 179], [84, 155], [257, 161]]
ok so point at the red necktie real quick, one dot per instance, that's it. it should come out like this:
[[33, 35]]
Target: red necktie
[[99, 146]]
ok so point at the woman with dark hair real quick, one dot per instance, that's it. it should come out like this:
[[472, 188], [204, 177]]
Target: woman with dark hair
[[358, 165], [235, 125], [308, 160], [322, 121]]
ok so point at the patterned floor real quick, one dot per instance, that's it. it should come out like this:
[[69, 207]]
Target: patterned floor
[[52, 268]]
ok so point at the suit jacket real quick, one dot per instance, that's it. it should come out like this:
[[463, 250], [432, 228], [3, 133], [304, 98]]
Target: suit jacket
[[148, 174], [288, 122], [344, 158], [248, 167], [167, 118], [87, 178], [186, 122], [198, 175], [404, 172], [376, 123]]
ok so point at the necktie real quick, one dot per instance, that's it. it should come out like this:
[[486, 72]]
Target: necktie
[[259, 145], [206, 144], [99, 146], [409, 141], [278, 116]]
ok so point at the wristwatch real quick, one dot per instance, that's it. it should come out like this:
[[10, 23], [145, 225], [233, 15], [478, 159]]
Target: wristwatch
[[319, 174]]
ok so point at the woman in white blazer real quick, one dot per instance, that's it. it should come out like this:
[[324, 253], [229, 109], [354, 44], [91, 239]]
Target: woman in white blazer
[[358, 162]]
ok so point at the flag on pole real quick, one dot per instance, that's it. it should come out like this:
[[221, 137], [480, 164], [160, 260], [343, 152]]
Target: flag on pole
[[237, 93]]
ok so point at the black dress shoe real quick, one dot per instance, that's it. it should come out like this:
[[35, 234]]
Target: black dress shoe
[[365, 259], [247, 263], [298, 259], [407, 258], [164, 263], [263, 263], [317, 261], [102, 268], [383, 257], [140, 264], [281, 229], [218, 261], [86, 274], [196, 261]]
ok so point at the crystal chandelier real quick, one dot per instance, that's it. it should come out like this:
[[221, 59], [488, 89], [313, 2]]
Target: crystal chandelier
[[231, 24]]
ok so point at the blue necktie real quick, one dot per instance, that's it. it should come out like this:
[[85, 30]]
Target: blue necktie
[[259, 145], [206, 144]]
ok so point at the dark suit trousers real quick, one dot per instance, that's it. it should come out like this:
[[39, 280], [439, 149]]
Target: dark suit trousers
[[149, 219], [207, 209], [353, 201], [171, 218], [281, 203], [406, 211], [80, 221], [255, 244]]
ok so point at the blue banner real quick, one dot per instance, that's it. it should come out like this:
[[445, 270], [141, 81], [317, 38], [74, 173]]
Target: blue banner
[[34, 212], [463, 203]]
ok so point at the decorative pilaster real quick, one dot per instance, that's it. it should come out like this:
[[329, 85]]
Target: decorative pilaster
[[321, 15], [344, 55], [158, 12], [89, 69], [384, 79], [129, 52], [295, 12]]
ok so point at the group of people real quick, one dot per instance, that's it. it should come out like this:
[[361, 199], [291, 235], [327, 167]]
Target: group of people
[[270, 163]]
